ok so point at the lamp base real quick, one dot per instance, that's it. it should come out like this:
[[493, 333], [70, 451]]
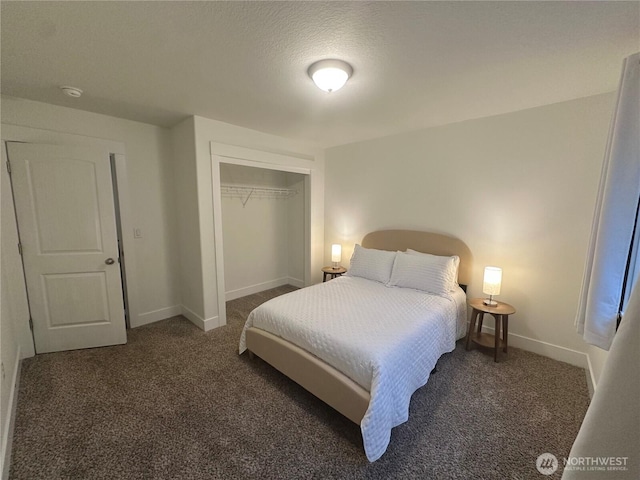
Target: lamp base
[[336, 265], [490, 303]]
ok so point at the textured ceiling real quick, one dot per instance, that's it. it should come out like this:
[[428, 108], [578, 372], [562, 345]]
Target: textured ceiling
[[416, 64]]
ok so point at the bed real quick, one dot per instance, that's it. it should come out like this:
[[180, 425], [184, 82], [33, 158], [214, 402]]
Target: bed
[[364, 344]]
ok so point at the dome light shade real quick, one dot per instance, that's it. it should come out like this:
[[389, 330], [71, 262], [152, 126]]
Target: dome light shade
[[330, 75]]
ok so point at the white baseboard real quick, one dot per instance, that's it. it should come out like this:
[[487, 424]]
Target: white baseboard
[[296, 282], [155, 316], [556, 352], [205, 324], [7, 435], [258, 287]]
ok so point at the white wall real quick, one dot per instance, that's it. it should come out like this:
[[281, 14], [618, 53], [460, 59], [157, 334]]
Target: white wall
[[258, 253], [186, 195], [148, 160], [199, 220], [518, 188]]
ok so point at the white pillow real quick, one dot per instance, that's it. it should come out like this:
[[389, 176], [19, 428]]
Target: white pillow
[[371, 264], [456, 260], [429, 273]]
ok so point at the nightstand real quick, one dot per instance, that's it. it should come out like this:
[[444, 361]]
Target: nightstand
[[501, 313], [332, 272]]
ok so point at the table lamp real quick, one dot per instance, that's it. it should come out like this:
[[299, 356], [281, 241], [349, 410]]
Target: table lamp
[[491, 284], [336, 254]]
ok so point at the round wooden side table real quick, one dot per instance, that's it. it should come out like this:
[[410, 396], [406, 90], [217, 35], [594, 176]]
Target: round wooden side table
[[332, 272], [501, 313]]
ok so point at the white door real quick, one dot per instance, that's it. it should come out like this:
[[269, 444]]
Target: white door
[[66, 221]]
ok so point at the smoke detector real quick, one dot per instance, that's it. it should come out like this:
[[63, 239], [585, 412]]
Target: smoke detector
[[71, 91]]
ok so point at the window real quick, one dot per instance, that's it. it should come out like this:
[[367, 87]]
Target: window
[[612, 260], [632, 269]]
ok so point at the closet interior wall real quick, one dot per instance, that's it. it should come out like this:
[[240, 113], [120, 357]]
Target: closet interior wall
[[263, 229]]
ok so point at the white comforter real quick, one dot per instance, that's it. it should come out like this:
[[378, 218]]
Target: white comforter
[[386, 339]]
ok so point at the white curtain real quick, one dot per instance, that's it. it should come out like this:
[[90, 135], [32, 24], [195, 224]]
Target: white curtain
[[614, 217]]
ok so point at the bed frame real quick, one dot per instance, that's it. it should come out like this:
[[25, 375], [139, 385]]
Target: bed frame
[[321, 379]]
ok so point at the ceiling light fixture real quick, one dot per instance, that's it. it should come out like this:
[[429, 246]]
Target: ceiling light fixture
[[71, 91], [330, 75]]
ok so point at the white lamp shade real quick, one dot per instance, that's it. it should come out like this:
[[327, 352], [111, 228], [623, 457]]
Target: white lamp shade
[[492, 280], [336, 252], [330, 75]]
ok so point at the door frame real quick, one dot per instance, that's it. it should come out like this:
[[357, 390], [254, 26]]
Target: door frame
[[248, 157], [15, 133]]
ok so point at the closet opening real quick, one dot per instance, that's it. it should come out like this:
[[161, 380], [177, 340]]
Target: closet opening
[[262, 227]]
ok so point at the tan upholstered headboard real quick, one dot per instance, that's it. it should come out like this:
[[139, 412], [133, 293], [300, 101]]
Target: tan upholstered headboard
[[426, 242]]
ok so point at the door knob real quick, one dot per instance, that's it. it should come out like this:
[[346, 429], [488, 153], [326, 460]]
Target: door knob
[[109, 261]]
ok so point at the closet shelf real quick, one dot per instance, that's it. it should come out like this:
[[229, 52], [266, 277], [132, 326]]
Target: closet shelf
[[245, 192]]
